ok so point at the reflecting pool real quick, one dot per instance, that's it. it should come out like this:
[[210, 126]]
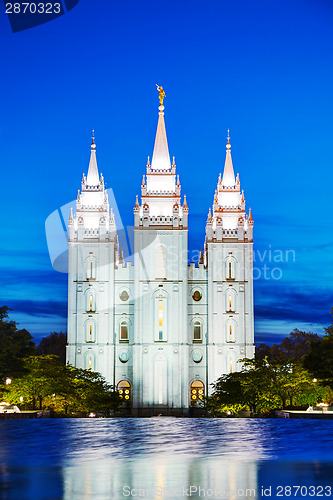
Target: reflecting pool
[[159, 458]]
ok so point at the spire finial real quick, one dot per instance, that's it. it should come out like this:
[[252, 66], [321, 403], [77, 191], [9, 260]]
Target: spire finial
[[250, 215], [228, 143], [93, 145], [185, 202], [161, 93]]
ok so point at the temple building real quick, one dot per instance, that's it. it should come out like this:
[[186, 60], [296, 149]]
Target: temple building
[[159, 329]]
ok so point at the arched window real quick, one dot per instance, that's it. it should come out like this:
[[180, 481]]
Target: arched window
[[160, 334], [91, 301], [90, 332], [91, 269], [160, 320], [124, 331], [124, 390], [90, 362], [230, 269], [160, 262], [231, 363], [197, 393], [230, 301], [197, 332], [230, 332]]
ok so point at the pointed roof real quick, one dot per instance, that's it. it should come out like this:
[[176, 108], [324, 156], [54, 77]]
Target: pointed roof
[[228, 173], [201, 258], [93, 177], [161, 157]]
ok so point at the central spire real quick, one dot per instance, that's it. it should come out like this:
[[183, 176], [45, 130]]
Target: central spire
[[228, 179], [161, 156], [92, 177]]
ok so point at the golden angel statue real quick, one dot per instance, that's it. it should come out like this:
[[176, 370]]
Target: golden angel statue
[[161, 94]]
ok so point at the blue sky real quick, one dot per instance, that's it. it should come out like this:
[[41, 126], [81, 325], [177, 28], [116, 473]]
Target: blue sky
[[260, 68]]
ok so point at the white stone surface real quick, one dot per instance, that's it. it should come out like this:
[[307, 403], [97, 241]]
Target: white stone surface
[[161, 357]]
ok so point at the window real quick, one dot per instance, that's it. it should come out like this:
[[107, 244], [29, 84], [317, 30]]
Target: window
[[90, 301], [124, 295], [230, 301], [91, 269], [230, 332], [160, 313], [230, 270], [160, 262], [124, 390], [90, 362], [197, 296], [90, 335], [197, 332], [197, 393], [231, 363], [160, 320], [124, 331]]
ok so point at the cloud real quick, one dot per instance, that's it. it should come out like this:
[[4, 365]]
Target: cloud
[[285, 302], [47, 308]]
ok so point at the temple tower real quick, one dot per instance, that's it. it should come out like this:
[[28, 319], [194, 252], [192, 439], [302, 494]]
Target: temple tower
[[160, 351]]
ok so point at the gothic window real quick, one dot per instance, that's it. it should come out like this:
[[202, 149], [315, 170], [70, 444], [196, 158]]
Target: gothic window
[[90, 362], [197, 332], [124, 331], [91, 269], [124, 390], [230, 301], [160, 320], [230, 332], [197, 393], [231, 363], [230, 269], [160, 334], [160, 262], [90, 301], [90, 332]]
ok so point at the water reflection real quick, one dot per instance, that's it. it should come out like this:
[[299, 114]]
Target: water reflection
[[161, 458]]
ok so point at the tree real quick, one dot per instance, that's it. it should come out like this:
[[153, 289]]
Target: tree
[[264, 385], [14, 346], [55, 343], [291, 348], [48, 383], [319, 360], [248, 389]]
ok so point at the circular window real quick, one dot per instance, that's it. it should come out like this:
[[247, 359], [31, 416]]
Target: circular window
[[197, 356], [197, 296], [124, 295], [123, 357]]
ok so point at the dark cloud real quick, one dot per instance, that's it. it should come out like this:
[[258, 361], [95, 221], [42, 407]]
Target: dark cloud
[[285, 302], [268, 338], [46, 308], [33, 277]]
